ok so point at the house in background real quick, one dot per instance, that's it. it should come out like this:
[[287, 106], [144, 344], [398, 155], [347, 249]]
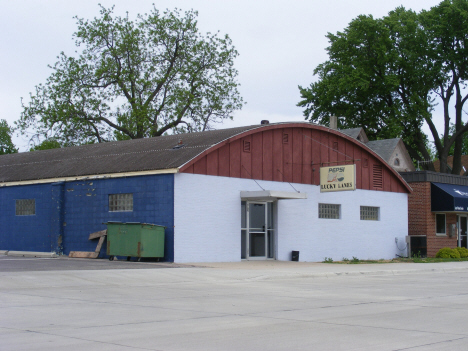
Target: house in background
[[464, 162], [391, 150], [256, 193]]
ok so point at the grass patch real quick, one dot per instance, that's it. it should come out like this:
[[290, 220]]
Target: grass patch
[[396, 260]]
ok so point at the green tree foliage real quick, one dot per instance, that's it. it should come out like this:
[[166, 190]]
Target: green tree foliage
[[135, 79], [386, 75], [6, 145], [47, 144]]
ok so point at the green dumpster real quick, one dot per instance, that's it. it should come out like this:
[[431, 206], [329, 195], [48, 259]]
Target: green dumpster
[[135, 240]]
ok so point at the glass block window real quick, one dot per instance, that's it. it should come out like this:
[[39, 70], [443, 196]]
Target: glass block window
[[120, 202], [26, 207], [329, 211], [369, 213]]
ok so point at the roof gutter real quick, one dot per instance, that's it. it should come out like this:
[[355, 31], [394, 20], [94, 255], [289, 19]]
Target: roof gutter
[[91, 177]]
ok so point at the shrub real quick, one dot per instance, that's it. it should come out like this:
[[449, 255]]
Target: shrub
[[328, 260], [447, 252], [463, 251]]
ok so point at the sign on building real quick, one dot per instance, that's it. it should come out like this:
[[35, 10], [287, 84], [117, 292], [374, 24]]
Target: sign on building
[[337, 178]]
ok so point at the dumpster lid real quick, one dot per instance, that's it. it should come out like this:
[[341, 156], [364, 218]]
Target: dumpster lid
[[135, 223]]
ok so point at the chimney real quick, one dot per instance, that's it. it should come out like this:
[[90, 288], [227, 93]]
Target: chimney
[[265, 121], [333, 122]]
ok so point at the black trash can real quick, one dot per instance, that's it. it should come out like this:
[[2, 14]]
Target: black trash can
[[295, 256]]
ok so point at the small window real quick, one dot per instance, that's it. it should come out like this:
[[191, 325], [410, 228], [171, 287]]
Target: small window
[[120, 202], [329, 211], [369, 213], [26, 207], [335, 145], [285, 138], [396, 162], [365, 163], [440, 223]]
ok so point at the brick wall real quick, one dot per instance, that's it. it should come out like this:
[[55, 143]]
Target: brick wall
[[207, 219], [67, 213], [31, 232], [421, 221]]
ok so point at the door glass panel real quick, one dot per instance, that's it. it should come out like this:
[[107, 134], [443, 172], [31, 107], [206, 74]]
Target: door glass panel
[[243, 244], [463, 229], [270, 215], [257, 217], [271, 243], [243, 215], [257, 244]]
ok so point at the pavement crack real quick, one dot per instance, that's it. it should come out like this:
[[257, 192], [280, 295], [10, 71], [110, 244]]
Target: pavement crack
[[81, 339], [429, 344]]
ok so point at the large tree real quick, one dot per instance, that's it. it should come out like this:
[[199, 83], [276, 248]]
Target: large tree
[[135, 79], [6, 145], [386, 75]]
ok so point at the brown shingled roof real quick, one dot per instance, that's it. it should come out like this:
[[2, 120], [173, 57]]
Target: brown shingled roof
[[464, 162], [113, 157]]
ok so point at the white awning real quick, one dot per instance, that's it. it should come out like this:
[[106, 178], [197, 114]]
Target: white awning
[[272, 195]]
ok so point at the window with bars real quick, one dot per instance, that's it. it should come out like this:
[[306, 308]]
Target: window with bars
[[377, 179], [369, 213], [329, 211], [25, 207], [120, 202]]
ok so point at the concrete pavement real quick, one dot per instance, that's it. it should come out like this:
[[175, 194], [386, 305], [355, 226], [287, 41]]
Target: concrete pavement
[[231, 306]]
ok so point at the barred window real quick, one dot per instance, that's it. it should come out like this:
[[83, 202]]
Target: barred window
[[26, 207], [369, 213], [329, 211], [120, 202]]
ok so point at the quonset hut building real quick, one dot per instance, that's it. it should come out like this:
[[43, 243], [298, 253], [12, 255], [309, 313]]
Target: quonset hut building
[[253, 192]]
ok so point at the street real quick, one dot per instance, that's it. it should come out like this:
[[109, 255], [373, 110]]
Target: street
[[247, 305]]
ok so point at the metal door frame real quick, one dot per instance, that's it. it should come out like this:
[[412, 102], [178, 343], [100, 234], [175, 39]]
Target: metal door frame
[[265, 232], [460, 235]]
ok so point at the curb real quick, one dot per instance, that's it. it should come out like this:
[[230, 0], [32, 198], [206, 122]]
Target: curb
[[30, 254], [331, 274]]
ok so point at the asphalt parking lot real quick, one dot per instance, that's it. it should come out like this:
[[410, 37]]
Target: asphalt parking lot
[[21, 264], [104, 305]]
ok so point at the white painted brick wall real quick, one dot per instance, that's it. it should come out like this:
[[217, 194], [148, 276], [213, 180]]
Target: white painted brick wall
[[207, 217]]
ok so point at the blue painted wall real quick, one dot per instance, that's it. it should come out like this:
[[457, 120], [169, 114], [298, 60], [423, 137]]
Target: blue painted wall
[[26, 233], [66, 213]]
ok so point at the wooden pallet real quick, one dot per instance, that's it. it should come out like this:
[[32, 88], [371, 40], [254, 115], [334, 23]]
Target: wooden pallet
[[89, 254]]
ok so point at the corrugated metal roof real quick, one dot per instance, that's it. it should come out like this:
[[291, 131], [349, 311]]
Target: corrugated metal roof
[[113, 157]]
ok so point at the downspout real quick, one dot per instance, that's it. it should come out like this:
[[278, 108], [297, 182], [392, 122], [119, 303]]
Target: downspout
[[57, 217]]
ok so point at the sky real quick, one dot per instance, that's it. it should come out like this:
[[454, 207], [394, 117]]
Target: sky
[[280, 43]]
